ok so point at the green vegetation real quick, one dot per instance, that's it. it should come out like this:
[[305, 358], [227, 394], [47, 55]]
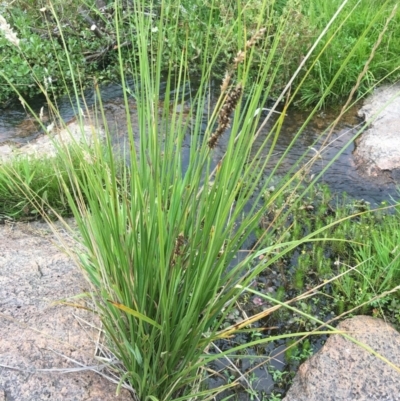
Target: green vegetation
[[38, 175], [360, 253], [163, 236], [89, 34], [348, 49], [40, 63]]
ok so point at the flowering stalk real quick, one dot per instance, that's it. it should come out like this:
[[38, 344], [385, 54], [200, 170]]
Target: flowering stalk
[[224, 114]]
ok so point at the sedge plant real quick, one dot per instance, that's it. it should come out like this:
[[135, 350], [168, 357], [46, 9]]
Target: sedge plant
[[163, 236]]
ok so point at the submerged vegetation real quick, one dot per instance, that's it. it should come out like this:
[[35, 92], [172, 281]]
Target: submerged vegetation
[[361, 253], [188, 227]]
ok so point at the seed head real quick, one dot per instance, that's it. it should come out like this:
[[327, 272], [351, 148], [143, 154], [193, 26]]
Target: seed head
[[224, 119]]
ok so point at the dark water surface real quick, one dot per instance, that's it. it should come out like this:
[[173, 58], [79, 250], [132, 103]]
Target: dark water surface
[[342, 176]]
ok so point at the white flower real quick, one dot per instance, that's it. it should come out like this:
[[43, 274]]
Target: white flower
[[8, 32], [50, 127]]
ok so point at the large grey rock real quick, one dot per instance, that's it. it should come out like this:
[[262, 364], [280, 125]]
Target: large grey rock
[[40, 339], [378, 148], [344, 371]]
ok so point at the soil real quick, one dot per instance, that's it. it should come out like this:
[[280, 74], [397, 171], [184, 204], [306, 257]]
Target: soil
[[45, 347]]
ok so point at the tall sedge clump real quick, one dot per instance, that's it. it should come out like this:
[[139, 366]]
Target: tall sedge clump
[[159, 235]]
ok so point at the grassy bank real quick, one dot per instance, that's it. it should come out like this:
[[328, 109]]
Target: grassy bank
[[165, 237], [90, 36], [43, 177], [347, 47]]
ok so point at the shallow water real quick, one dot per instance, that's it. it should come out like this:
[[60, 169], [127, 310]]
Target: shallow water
[[342, 176]]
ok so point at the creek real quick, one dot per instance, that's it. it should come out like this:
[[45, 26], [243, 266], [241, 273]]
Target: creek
[[16, 126]]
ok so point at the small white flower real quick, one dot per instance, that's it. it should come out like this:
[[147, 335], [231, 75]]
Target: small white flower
[[50, 127], [47, 82], [154, 29], [9, 34], [93, 27]]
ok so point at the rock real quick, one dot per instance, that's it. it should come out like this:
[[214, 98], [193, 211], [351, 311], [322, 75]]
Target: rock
[[378, 148], [344, 371], [46, 145], [39, 338]]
